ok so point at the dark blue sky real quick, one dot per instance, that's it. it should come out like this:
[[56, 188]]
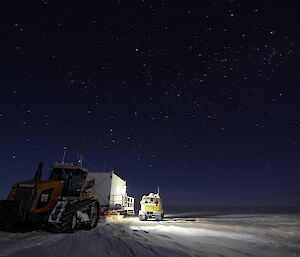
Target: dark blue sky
[[200, 98]]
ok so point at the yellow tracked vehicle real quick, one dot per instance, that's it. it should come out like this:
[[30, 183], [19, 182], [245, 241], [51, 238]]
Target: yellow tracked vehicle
[[151, 207], [63, 202]]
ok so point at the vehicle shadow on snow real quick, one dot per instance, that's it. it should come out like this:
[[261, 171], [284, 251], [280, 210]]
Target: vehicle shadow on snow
[[25, 228], [19, 228]]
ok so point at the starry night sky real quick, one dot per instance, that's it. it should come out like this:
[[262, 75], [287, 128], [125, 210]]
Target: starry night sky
[[199, 97]]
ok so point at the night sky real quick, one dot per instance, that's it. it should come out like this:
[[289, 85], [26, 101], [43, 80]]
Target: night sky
[[200, 98]]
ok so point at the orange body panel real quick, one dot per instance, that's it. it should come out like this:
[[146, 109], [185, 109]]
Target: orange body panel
[[56, 194], [57, 187]]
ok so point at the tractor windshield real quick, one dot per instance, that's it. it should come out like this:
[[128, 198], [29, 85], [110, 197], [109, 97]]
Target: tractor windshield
[[59, 174], [73, 180], [151, 200]]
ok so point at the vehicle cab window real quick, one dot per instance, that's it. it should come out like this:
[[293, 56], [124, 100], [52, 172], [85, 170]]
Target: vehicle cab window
[[75, 184]]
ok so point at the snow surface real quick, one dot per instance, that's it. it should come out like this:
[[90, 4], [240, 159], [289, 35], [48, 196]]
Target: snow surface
[[234, 236]]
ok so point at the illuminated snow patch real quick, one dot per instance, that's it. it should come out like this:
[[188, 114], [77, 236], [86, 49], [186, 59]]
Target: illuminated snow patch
[[179, 231]]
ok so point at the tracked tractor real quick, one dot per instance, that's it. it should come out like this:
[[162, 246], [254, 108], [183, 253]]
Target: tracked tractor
[[63, 203]]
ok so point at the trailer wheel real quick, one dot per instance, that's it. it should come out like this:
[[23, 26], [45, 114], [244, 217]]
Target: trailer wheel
[[159, 217], [142, 217]]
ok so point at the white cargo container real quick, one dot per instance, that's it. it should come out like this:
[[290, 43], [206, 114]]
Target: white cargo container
[[111, 191]]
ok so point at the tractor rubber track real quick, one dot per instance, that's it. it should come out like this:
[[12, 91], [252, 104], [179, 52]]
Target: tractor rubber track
[[65, 226]]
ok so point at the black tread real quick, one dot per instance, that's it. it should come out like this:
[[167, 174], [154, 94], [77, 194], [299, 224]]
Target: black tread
[[71, 208]]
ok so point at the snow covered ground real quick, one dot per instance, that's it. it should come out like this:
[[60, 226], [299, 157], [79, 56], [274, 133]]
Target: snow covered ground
[[224, 235]]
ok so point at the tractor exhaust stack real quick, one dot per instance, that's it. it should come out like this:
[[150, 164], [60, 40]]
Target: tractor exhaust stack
[[38, 173]]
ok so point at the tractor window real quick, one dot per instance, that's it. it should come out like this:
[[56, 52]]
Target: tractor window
[[75, 184], [58, 174], [73, 180], [151, 201]]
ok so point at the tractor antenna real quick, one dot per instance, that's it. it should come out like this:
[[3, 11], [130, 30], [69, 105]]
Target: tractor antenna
[[64, 155], [38, 173]]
